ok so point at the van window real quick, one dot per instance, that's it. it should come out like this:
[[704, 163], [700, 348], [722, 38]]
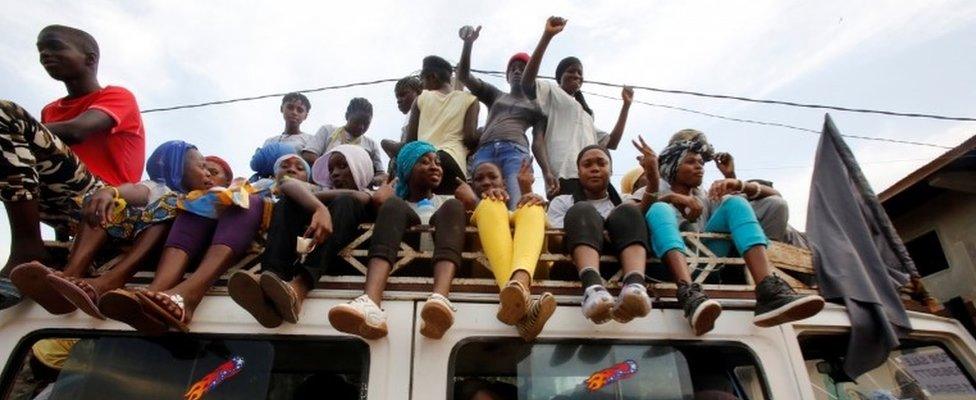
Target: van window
[[185, 367], [513, 370], [916, 370]]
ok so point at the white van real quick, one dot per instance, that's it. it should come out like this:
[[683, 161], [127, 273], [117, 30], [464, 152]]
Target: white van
[[228, 355]]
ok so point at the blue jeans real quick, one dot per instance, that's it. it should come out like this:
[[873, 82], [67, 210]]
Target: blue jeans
[[508, 156], [734, 215]]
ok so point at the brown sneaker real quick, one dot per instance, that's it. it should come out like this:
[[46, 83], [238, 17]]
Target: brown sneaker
[[437, 316], [513, 303], [539, 313]]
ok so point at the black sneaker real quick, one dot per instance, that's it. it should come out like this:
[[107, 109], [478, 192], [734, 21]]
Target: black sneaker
[[777, 303], [700, 311]]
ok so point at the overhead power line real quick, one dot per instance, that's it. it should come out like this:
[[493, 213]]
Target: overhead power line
[[265, 96], [767, 101], [500, 74]]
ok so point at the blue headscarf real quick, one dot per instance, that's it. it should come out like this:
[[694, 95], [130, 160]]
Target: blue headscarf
[[408, 156], [165, 164], [263, 160]]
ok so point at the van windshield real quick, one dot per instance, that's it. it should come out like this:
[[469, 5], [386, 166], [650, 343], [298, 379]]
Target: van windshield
[[187, 367], [503, 369]]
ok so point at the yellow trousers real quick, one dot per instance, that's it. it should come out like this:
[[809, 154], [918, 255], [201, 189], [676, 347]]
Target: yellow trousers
[[507, 254]]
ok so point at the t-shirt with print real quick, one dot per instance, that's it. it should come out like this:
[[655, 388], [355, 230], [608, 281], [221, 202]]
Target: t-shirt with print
[[569, 128], [116, 155], [508, 116], [437, 201], [442, 122], [298, 140], [330, 136], [562, 203], [708, 206]]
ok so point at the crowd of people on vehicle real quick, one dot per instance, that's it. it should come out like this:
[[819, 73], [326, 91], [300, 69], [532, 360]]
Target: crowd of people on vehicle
[[79, 167]]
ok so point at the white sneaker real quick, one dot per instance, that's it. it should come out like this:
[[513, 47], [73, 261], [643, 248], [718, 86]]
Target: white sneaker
[[633, 302], [361, 317], [437, 316], [597, 304]]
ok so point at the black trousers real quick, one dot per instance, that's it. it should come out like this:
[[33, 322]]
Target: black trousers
[[290, 220], [452, 171], [584, 227], [395, 217]]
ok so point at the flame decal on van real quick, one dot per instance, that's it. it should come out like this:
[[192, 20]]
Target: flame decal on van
[[620, 371], [224, 372]]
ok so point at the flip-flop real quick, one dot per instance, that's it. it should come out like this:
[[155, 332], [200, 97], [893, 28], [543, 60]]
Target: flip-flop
[[244, 288], [160, 311], [281, 295], [76, 291], [30, 279], [124, 306]]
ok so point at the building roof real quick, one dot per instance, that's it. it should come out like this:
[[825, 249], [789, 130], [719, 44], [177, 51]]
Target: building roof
[[953, 170]]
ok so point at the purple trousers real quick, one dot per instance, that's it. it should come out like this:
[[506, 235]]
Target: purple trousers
[[235, 228]]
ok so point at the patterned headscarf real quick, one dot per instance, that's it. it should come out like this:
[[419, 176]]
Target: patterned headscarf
[[165, 164], [408, 156], [671, 157], [708, 152], [359, 161]]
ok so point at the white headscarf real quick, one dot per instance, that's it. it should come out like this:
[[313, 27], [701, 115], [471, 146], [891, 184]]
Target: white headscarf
[[359, 162]]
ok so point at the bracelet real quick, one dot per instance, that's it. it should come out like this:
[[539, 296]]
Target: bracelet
[[741, 185], [116, 190], [754, 195]]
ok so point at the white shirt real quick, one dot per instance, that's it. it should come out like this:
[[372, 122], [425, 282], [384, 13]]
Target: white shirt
[[322, 142], [561, 204], [570, 128]]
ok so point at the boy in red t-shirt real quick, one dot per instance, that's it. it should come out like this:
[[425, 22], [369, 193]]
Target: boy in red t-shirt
[[92, 133]]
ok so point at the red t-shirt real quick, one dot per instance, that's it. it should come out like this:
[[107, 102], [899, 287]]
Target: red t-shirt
[[117, 155]]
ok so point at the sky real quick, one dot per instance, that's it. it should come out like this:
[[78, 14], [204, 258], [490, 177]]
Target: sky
[[893, 55]]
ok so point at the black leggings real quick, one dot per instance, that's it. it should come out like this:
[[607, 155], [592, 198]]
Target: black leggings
[[290, 220], [395, 217], [584, 227], [451, 171]]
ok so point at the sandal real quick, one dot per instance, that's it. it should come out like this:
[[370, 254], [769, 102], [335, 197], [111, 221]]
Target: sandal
[[30, 279], [168, 308], [124, 306], [244, 288], [77, 291], [282, 295]]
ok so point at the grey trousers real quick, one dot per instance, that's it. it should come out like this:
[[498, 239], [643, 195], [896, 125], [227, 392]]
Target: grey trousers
[[774, 216]]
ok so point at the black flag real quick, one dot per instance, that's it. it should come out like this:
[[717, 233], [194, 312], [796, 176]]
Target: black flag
[[859, 258]]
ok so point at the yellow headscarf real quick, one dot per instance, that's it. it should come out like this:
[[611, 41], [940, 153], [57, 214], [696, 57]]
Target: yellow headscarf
[[630, 179]]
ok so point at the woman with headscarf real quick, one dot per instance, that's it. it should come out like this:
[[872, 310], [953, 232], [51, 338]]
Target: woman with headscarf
[[411, 203], [683, 206], [139, 212], [169, 300], [447, 119], [328, 215], [503, 142], [512, 257], [570, 125], [264, 158], [583, 216]]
